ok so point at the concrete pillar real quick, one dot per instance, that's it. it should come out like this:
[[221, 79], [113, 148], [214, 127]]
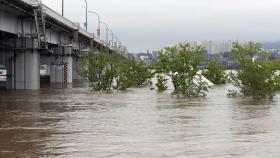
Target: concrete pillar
[[91, 42], [56, 72], [75, 41], [76, 75], [27, 70], [10, 73], [69, 62], [61, 70]]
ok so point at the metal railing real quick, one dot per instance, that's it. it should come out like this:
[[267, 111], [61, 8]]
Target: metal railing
[[32, 2], [56, 16]]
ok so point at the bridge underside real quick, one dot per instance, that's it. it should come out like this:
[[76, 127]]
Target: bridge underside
[[35, 40], [23, 64]]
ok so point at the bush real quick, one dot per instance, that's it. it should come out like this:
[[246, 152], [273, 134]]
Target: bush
[[98, 69], [256, 76], [215, 73], [181, 64], [161, 83], [102, 70]]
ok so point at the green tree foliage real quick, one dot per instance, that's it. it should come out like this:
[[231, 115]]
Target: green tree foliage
[[132, 73], [105, 71], [215, 72], [123, 78], [256, 78], [98, 69], [181, 63], [161, 83]]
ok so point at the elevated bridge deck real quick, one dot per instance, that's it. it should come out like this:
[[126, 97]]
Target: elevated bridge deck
[[32, 34]]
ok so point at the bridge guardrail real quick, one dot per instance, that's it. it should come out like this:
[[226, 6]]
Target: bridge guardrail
[[31, 2], [84, 32], [57, 16], [53, 14]]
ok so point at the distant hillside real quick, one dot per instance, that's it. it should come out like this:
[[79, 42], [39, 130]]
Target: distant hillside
[[270, 45]]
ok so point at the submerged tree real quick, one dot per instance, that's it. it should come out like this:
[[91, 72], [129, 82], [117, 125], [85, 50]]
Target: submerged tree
[[181, 64], [132, 73], [161, 83], [106, 70], [215, 72], [98, 69], [256, 76]]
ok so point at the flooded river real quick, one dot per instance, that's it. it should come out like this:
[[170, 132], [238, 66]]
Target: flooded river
[[74, 122]]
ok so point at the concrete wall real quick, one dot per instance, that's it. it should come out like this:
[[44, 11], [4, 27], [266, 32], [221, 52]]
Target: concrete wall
[[27, 70], [53, 37], [8, 22], [56, 71], [75, 73], [57, 68]]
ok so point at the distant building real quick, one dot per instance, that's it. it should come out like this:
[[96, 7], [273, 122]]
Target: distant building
[[212, 47], [225, 46], [147, 57]]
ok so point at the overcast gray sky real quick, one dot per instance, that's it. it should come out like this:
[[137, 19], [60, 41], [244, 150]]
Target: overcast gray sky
[[153, 24]]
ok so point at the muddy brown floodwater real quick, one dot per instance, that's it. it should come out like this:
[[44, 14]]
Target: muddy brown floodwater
[[139, 123]]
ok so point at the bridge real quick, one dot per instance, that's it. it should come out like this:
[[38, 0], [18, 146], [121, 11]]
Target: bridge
[[32, 35]]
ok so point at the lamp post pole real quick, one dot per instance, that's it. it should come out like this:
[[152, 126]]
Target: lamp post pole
[[112, 34], [107, 30], [62, 12], [98, 29], [86, 24]]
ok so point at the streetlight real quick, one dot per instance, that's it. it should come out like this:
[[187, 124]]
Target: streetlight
[[86, 12], [86, 24], [62, 8], [107, 30], [117, 42], [112, 37], [98, 29]]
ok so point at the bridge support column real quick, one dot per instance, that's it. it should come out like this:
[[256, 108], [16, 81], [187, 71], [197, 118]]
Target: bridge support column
[[62, 70], [56, 72], [69, 71], [76, 75], [10, 73], [26, 70]]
